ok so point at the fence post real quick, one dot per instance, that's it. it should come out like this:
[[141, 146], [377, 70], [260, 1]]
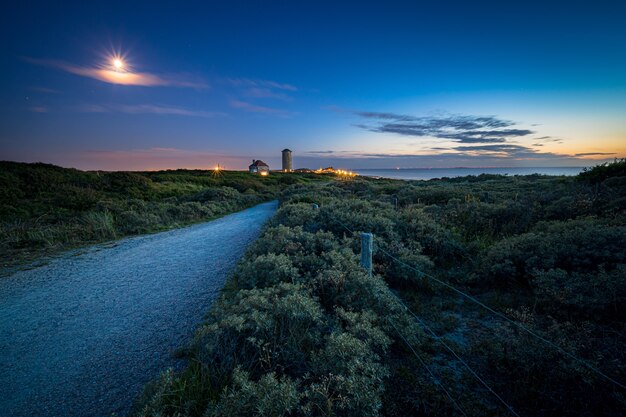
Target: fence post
[[367, 240]]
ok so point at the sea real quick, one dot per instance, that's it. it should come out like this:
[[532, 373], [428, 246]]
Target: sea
[[430, 173]]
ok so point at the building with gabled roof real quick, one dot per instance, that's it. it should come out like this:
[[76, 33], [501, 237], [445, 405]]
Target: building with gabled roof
[[259, 167]]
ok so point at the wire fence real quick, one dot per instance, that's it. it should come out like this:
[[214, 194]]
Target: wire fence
[[469, 297], [439, 339], [430, 372]]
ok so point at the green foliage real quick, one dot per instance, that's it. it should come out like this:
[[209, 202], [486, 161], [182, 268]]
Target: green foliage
[[265, 270], [99, 224], [599, 294], [267, 397], [45, 208], [604, 171], [573, 246], [297, 332], [302, 330]]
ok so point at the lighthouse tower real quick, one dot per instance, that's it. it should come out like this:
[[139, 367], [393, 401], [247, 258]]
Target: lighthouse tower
[[287, 167]]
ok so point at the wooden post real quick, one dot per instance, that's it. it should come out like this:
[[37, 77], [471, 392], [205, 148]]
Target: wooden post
[[367, 240]]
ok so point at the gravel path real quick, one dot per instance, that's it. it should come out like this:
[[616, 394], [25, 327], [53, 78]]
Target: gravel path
[[82, 335]]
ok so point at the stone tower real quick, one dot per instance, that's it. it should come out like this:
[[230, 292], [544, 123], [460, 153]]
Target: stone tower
[[287, 167]]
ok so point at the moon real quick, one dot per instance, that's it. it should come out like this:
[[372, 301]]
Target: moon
[[118, 63]]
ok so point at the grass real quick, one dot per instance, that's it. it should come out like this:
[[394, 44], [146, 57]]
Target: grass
[[46, 209]]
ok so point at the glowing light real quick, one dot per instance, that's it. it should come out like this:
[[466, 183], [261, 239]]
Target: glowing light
[[264, 173], [118, 64], [217, 172]]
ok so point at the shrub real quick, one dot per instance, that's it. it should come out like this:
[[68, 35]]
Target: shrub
[[604, 171], [577, 245], [265, 329], [350, 378], [270, 396], [265, 271], [594, 295]]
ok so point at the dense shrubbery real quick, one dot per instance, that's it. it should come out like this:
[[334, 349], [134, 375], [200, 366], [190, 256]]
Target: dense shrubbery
[[603, 172], [300, 329], [45, 207]]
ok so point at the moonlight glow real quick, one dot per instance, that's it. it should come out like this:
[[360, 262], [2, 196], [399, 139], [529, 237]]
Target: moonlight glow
[[118, 64]]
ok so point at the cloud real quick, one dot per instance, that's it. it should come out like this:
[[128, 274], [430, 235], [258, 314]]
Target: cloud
[[257, 92], [492, 148], [501, 154], [118, 77], [38, 109], [595, 154], [44, 90], [253, 108], [500, 151], [506, 150], [247, 82], [148, 109], [547, 139], [478, 137], [456, 128]]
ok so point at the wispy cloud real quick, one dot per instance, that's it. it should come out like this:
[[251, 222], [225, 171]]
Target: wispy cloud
[[456, 128], [43, 90], [548, 139], [38, 109], [147, 109], [322, 152], [144, 79], [499, 154], [253, 108], [506, 150], [247, 82], [595, 154], [257, 92]]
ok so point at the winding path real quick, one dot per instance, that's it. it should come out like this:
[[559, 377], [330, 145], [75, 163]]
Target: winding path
[[82, 335]]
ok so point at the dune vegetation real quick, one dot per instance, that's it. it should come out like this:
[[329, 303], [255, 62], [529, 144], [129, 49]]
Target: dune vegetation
[[302, 330], [476, 280], [46, 208]]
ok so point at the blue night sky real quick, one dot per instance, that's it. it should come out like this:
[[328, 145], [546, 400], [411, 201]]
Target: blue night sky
[[354, 85]]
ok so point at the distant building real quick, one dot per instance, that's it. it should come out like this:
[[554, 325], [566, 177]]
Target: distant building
[[287, 165], [327, 170], [259, 167]]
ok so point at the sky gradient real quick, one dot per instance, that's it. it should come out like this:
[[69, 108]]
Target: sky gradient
[[356, 85]]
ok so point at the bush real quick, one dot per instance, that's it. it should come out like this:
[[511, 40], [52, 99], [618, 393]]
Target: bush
[[270, 396], [266, 329], [577, 245], [604, 171], [265, 271], [596, 295]]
